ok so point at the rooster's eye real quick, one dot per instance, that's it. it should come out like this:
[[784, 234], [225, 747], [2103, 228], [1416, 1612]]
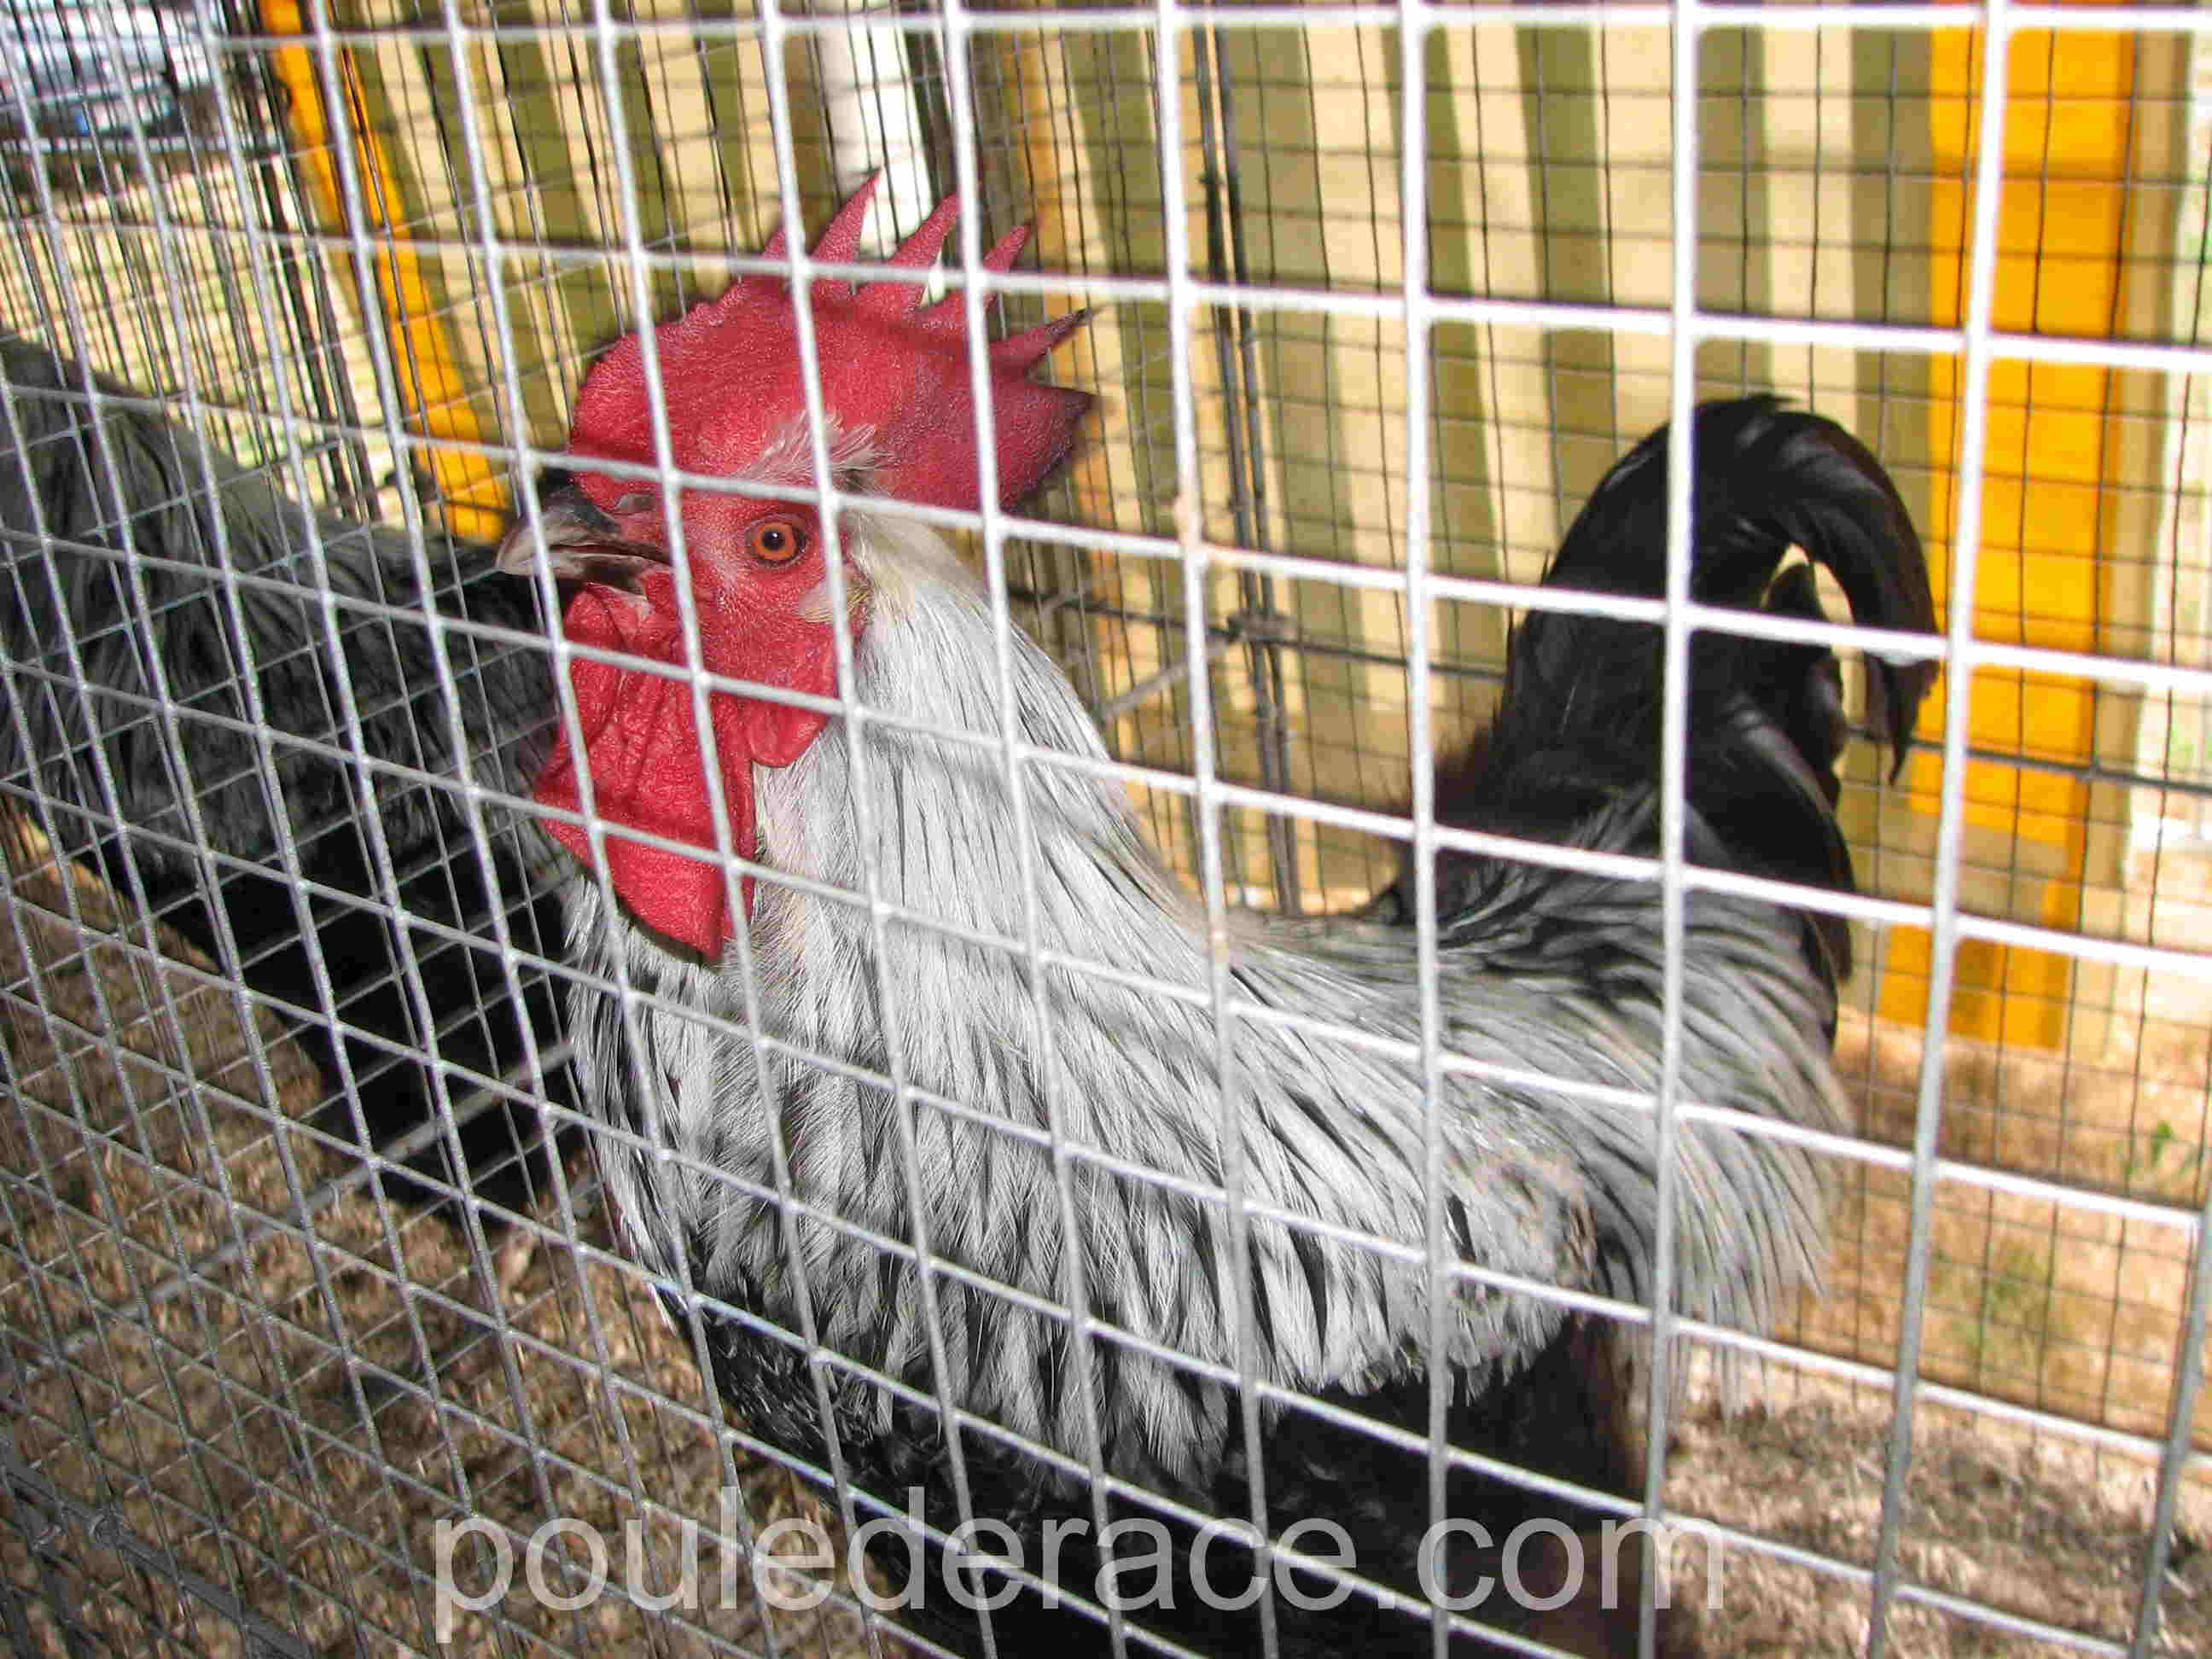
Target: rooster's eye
[[776, 540]]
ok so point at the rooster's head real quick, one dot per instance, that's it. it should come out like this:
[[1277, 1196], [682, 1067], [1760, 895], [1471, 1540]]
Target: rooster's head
[[897, 393]]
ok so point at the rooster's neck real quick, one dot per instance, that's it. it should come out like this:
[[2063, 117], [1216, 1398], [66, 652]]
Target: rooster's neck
[[940, 837]]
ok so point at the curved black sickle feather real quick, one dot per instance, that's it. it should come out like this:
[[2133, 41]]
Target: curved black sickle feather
[[1768, 479], [1578, 725]]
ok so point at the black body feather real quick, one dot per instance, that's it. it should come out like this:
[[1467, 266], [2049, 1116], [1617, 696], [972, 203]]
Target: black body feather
[[120, 479]]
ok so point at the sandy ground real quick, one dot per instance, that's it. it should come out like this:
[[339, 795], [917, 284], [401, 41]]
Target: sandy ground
[[292, 1427]]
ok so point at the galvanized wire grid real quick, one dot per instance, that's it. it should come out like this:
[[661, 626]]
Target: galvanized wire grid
[[369, 250]]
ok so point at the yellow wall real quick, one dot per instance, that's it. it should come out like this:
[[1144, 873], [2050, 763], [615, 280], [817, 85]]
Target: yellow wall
[[2046, 492]]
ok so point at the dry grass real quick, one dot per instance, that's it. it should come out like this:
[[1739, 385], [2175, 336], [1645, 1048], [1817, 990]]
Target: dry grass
[[295, 1424], [2030, 1523], [2031, 1300]]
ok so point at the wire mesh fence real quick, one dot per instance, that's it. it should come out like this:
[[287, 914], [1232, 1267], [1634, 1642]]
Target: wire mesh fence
[[542, 1116]]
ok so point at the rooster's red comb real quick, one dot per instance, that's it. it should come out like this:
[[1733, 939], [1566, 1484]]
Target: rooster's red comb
[[891, 368]]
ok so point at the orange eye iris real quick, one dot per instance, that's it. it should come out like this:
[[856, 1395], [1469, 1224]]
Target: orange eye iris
[[776, 541]]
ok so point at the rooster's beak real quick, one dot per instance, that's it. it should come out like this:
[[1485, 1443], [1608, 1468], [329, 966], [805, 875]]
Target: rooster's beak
[[580, 544]]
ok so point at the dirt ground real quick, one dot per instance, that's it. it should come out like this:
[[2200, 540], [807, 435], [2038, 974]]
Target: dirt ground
[[292, 1424]]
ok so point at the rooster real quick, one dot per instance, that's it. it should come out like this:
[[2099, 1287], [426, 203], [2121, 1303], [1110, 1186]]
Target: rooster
[[98, 492], [1067, 1138]]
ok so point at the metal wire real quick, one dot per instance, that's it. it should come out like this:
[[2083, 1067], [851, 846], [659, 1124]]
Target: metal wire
[[227, 1331]]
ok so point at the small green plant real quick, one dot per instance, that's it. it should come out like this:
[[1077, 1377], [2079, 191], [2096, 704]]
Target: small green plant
[[2164, 1160], [2001, 1309]]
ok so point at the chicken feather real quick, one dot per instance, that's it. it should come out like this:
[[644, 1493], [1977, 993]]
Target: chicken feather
[[995, 1059]]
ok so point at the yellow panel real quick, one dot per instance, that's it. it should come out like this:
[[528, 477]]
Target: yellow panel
[[430, 386], [2060, 234]]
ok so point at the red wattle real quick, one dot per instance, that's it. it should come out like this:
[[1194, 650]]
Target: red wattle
[[642, 742]]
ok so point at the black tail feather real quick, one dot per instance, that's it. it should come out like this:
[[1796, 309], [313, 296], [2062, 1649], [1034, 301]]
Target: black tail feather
[[1578, 728], [1805, 689], [1767, 479]]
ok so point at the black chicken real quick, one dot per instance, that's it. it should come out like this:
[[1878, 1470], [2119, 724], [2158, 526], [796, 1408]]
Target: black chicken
[[100, 496]]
